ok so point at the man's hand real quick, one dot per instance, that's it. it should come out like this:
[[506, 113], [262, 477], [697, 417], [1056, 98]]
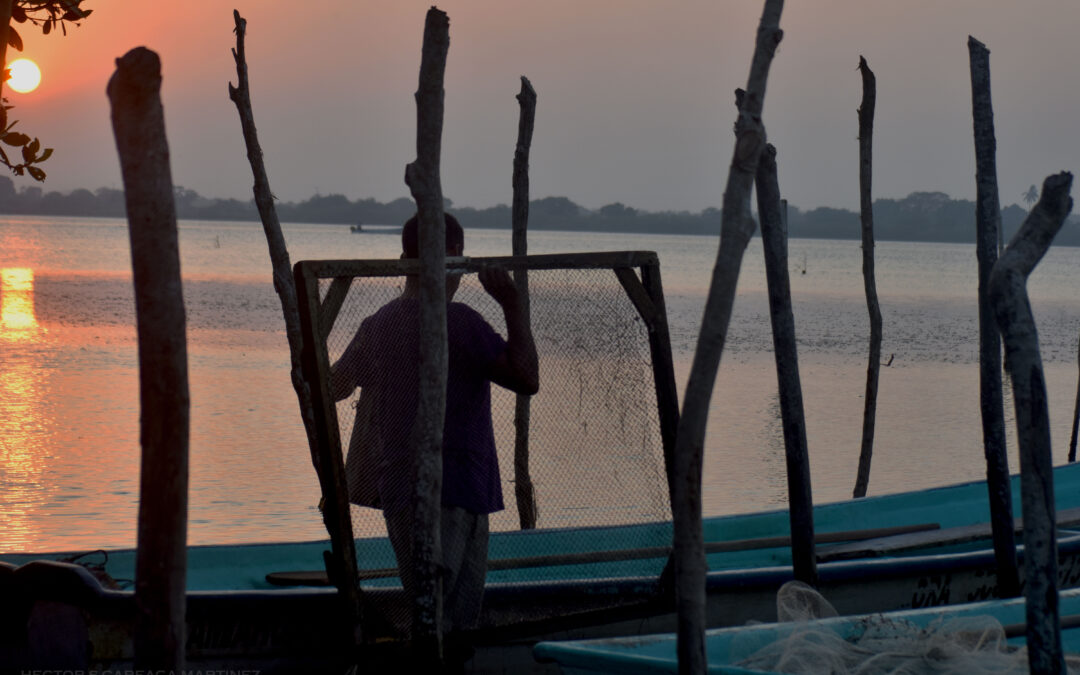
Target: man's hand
[[498, 284], [517, 367]]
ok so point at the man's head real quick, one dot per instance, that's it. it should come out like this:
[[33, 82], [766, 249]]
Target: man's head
[[410, 237]]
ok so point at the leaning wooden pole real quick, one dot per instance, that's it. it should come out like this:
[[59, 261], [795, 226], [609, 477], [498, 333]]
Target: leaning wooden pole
[[736, 228], [422, 177], [1009, 299], [774, 243], [275, 240], [1076, 413], [866, 212], [341, 563], [523, 487], [987, 227], [161, 559]]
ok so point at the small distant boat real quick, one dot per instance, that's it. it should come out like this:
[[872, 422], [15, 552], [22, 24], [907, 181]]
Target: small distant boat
[[359, 227]]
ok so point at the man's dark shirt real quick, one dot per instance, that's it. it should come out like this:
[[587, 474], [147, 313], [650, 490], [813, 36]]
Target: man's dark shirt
[[383, 358]]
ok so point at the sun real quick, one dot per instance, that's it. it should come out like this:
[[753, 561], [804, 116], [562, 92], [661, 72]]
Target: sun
[[25, 76]]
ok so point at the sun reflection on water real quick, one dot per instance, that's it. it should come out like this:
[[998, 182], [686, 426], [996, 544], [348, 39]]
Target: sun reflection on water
[[17, 317], [21, 468]]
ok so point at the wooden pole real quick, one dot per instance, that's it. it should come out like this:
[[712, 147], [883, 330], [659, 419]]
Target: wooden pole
[[161, 559], [736, 228], [1076, 413], [275, 240], [1009, 299], [866, 137], [774, 244], [422, 177], [987, 228], [523, 487], [341, 563]]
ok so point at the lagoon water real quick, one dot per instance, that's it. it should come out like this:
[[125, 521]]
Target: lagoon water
[[69, 447]]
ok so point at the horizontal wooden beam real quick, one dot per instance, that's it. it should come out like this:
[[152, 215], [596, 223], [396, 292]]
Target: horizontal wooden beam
[[326, 269]]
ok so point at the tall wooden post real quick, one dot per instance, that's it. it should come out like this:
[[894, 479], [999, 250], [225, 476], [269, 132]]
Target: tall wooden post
[[991, 403], [422, 177], [1076, 412], [1009, 299], [774, 244], [866, 208], [523, 487], [161, 560], [736, 228]]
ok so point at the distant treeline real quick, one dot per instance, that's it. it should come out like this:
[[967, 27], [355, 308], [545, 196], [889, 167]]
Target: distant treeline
[[921, 216]]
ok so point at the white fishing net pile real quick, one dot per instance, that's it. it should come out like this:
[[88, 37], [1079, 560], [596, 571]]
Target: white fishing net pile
[[880, 645]]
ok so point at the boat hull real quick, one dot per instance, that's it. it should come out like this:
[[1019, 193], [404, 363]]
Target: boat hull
[[235, 618]]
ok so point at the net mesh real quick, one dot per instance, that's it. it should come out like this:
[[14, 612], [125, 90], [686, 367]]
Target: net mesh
[[595, 452], [882, 645]]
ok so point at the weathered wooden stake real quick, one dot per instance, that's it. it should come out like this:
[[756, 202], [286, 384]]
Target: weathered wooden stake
[[987, 229], [866, 208], [1076, 413], [774, 243], [161, 559], [523, 487], [422, 177], [736, 228], [336, 515], [1009, 299], [275, 240]]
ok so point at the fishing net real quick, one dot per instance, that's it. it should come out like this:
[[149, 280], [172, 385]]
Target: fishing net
[[880, 644], [594, 444]]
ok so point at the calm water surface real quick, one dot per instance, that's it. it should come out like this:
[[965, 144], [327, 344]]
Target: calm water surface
[[69, 449]]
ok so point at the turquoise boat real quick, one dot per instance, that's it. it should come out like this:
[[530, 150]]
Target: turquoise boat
[[971, 637], [918, 549]]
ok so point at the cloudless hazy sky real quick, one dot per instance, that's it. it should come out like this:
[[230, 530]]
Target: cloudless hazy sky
[[636, 99]]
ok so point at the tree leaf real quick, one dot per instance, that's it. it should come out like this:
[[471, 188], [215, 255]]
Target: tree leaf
[[29, 152], [45, 155], [46, 27], [37, 173], [15, 138], [13, 39], [18, 13]]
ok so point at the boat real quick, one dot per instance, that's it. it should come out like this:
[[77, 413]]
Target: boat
[[971, 637], [917, 549]]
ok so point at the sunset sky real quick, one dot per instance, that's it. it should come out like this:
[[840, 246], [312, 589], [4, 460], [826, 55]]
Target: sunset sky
[[635, 96]]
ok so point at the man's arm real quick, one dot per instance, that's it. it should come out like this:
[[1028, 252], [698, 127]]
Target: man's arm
[[344, 373], [517, 368]]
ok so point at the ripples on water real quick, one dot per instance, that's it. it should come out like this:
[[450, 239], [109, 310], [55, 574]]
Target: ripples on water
[[69, 381]]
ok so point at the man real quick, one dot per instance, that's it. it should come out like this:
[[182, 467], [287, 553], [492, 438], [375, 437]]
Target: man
[[383, 360]]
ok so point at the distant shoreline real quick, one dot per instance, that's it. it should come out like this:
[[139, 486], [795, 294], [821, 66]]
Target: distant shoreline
[[931, 217]]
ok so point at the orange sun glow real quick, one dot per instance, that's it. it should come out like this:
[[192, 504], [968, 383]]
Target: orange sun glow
[[25, 76]]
